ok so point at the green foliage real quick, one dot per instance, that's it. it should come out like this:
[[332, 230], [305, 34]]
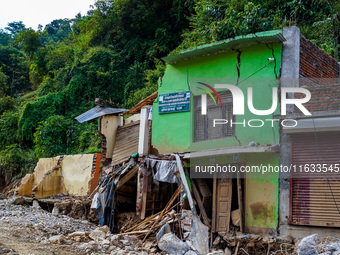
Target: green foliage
[[15, 161], [29, 41], [58, 135], [54, 74], [53, 136], [6, 103], [13, 64], [9, 127], [216, 20], [15, 27], [5, 38], [152, 77], [3, 84]]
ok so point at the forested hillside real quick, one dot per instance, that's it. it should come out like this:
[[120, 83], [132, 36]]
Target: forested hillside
[[51, 75]]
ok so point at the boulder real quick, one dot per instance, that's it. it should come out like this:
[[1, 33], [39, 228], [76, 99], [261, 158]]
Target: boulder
[[18, 201], [57, 239], [78, 236], [97, 235], [171, 244], [308, 245]]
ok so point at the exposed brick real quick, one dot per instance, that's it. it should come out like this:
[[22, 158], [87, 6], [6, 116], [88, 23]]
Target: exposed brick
[[319, 73]]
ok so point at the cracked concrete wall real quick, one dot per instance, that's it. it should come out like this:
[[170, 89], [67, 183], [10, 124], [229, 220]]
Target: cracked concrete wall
[[76, 173], [173, 132], [72, 177], [42, 167]]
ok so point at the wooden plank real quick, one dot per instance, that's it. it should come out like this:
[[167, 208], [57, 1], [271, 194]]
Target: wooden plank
[[127, 176], [223, 207], [200, 204], [144, 197], [206, 194], [240, 201], [213, 225]]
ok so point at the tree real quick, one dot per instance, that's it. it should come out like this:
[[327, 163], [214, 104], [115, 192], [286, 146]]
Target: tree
[[30, 41], [5, 38], [14, 66], [15, 27]]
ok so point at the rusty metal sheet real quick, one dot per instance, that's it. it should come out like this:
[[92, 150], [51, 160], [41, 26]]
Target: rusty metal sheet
[[315, 197], [127, 138], [97, 112]]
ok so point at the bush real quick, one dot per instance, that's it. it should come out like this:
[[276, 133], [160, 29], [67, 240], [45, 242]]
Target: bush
[[53, 137], [16, 162]]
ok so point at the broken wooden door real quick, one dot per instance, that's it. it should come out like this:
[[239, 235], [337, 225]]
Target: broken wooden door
[[222, 205]]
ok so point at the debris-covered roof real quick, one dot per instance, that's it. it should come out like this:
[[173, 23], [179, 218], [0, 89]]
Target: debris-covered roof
[[274, 36], [97, 112]]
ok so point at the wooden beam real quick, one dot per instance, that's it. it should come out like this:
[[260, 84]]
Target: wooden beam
[[144, 197], [127, 176], [240, 201], [213, 227], [200, 204]]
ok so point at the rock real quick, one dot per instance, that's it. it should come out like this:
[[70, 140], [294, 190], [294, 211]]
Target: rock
[[189, 243], [307, 245], [18, 201], [135, 241], [97, 235], [57, 239], [191, 253], [227, 251], [44, 242], [2, 196], [125, 242], [78, 236], [219, 252], [172, 244], [55, 211], [148, 245], [163, 230], [114, 238], [35, 204], [217, 241], [105, 229], [105, 244], [333, 248]]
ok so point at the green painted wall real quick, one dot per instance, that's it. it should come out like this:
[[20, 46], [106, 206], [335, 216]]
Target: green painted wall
[[173, 132], [261, 192]]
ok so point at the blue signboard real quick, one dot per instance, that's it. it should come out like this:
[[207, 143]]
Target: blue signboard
[[174, 102]]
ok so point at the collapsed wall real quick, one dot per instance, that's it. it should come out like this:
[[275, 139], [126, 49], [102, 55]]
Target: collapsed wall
[[70, 174]]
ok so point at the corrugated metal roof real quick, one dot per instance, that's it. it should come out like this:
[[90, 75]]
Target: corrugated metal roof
[[274, 36], [97, 112]]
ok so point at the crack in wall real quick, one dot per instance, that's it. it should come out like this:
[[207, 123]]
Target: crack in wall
[[273, 55], [238, 66]]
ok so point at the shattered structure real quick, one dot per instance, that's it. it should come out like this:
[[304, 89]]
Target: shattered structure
[[154, 163]]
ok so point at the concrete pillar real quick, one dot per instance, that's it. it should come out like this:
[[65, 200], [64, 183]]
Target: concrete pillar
[[143, 145], [290, 71]]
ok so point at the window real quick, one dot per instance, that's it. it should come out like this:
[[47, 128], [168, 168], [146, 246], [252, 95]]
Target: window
[[203, 124]]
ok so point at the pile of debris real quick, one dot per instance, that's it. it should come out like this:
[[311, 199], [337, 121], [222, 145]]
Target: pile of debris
[[314, 244], [254, 244]]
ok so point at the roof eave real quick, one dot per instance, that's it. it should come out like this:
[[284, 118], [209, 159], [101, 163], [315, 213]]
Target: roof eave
[[274, 36]]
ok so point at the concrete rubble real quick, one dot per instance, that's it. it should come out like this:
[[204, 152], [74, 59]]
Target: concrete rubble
[[61, 234]]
